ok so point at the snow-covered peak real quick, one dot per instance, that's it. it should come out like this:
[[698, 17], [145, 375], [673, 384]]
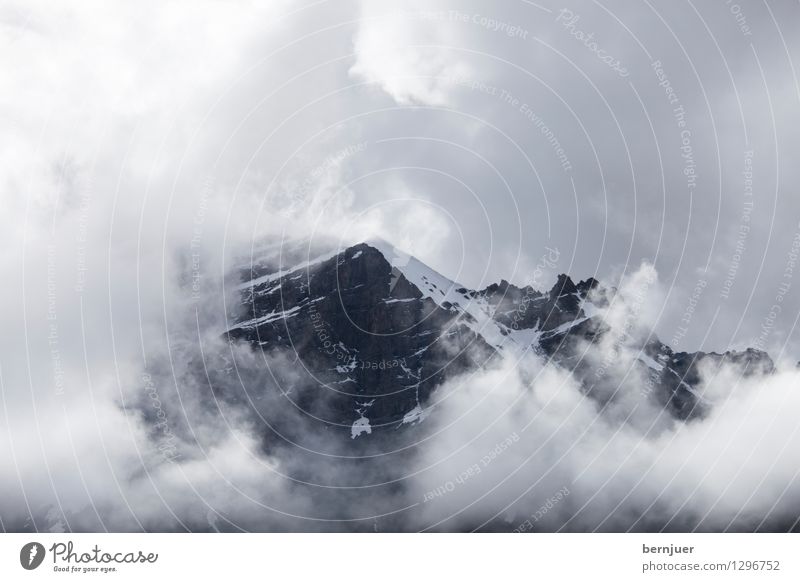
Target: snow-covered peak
[[475, 310], [449, 295], [430, 282]]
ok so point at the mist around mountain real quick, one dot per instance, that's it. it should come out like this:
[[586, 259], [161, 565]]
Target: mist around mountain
[[357, 389]]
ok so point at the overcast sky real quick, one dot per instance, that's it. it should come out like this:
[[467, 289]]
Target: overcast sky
[[146, 146], [473, 135]]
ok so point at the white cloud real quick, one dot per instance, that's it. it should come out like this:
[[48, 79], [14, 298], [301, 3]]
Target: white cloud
[[508, 439], [110, 136], [412, 55]]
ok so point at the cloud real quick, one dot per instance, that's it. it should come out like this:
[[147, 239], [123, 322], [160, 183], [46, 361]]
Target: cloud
[[146, 151], [522, 446], [412, 54]]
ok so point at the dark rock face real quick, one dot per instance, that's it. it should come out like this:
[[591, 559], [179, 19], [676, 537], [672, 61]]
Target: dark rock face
[[374, 345], [374, 333]]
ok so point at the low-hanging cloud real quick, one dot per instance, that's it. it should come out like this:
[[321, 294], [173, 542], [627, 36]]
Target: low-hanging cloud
[[524, 447], [148, 154]]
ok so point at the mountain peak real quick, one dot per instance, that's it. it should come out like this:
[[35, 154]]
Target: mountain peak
[[381, 330], [564, 286], [587, 285], [393, 255]]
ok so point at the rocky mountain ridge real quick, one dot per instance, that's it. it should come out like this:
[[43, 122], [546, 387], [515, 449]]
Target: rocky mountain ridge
[[376, 332]]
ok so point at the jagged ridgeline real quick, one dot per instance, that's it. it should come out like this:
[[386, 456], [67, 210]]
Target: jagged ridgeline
[[374, 331]]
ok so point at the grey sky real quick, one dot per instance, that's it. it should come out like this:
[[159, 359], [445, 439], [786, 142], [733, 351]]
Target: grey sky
[[626, 197], [460, 106], [471, 134]]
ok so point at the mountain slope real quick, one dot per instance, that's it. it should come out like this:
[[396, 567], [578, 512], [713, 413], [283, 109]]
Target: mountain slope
[[376, 331]]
